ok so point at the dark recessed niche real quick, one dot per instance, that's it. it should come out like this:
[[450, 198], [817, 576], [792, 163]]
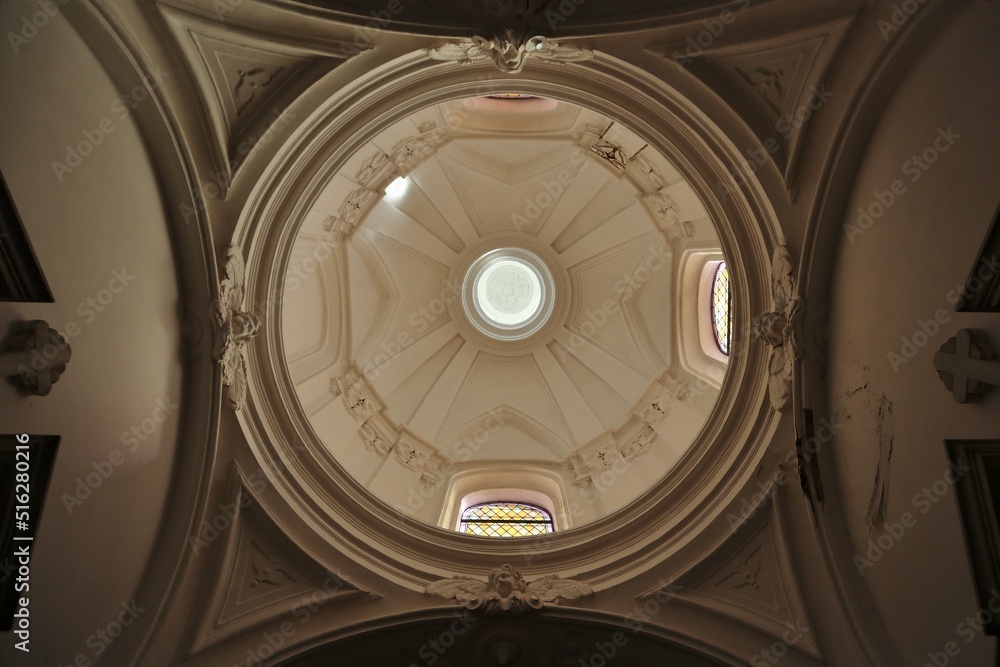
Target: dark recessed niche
[[21, 277], [975, 470], [982, 288]]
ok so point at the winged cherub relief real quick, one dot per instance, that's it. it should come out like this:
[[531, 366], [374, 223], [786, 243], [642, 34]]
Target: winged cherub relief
[[508, 50], [236, 328], [505, 590], [777, 328]]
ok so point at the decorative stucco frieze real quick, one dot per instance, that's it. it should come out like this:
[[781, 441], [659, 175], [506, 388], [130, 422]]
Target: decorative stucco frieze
[[509, 51]]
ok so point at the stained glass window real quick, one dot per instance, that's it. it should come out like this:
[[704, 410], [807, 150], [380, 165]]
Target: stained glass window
[[505, 519], [722, 307], [512, 96]]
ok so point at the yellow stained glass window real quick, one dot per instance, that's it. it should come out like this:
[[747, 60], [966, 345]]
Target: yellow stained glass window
[[722, 305], [505, 519], [512, 96]]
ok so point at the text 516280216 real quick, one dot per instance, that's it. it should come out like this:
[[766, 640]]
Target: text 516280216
[[22, 534]]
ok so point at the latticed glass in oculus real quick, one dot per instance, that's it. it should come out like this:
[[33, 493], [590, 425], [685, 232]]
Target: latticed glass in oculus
[[505, 519], [722, 304]]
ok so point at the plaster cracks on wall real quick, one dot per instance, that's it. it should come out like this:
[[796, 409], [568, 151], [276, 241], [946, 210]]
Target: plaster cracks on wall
[[859, 400], [859, 386], [885, 433]]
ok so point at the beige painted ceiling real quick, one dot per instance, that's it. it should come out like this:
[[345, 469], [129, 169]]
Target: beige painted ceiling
[[373, 304]]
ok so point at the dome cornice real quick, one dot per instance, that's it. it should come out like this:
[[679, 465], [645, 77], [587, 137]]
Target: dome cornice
[[317, 488]]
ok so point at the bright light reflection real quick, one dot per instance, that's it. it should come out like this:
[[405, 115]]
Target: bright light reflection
[[396, 189]]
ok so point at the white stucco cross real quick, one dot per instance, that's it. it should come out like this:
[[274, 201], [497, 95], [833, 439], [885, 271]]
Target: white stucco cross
[[966, 365]]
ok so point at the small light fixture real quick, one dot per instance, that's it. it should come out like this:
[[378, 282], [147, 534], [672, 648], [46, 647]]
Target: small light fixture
[[396, 189]]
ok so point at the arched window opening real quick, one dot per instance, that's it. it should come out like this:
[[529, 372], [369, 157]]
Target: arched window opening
[[722, 306], [505, 519], [512, 96]]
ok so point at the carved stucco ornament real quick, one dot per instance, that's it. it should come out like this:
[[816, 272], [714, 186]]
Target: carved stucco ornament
[[640, 444], [247, 82], [509, 51], [236, 328], [777, 328], [36, 354], [506, 591], [967, 365], [358, 397]]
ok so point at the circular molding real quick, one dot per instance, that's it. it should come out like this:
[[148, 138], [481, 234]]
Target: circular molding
[[510, 293], [540, 325], [662, 520]]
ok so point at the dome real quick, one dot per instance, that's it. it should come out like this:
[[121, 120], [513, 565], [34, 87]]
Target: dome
[[494, 303], [499, 332]]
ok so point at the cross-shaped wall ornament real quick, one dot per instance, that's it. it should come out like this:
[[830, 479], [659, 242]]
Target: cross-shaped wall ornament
[[37, 355], [967, 365]]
